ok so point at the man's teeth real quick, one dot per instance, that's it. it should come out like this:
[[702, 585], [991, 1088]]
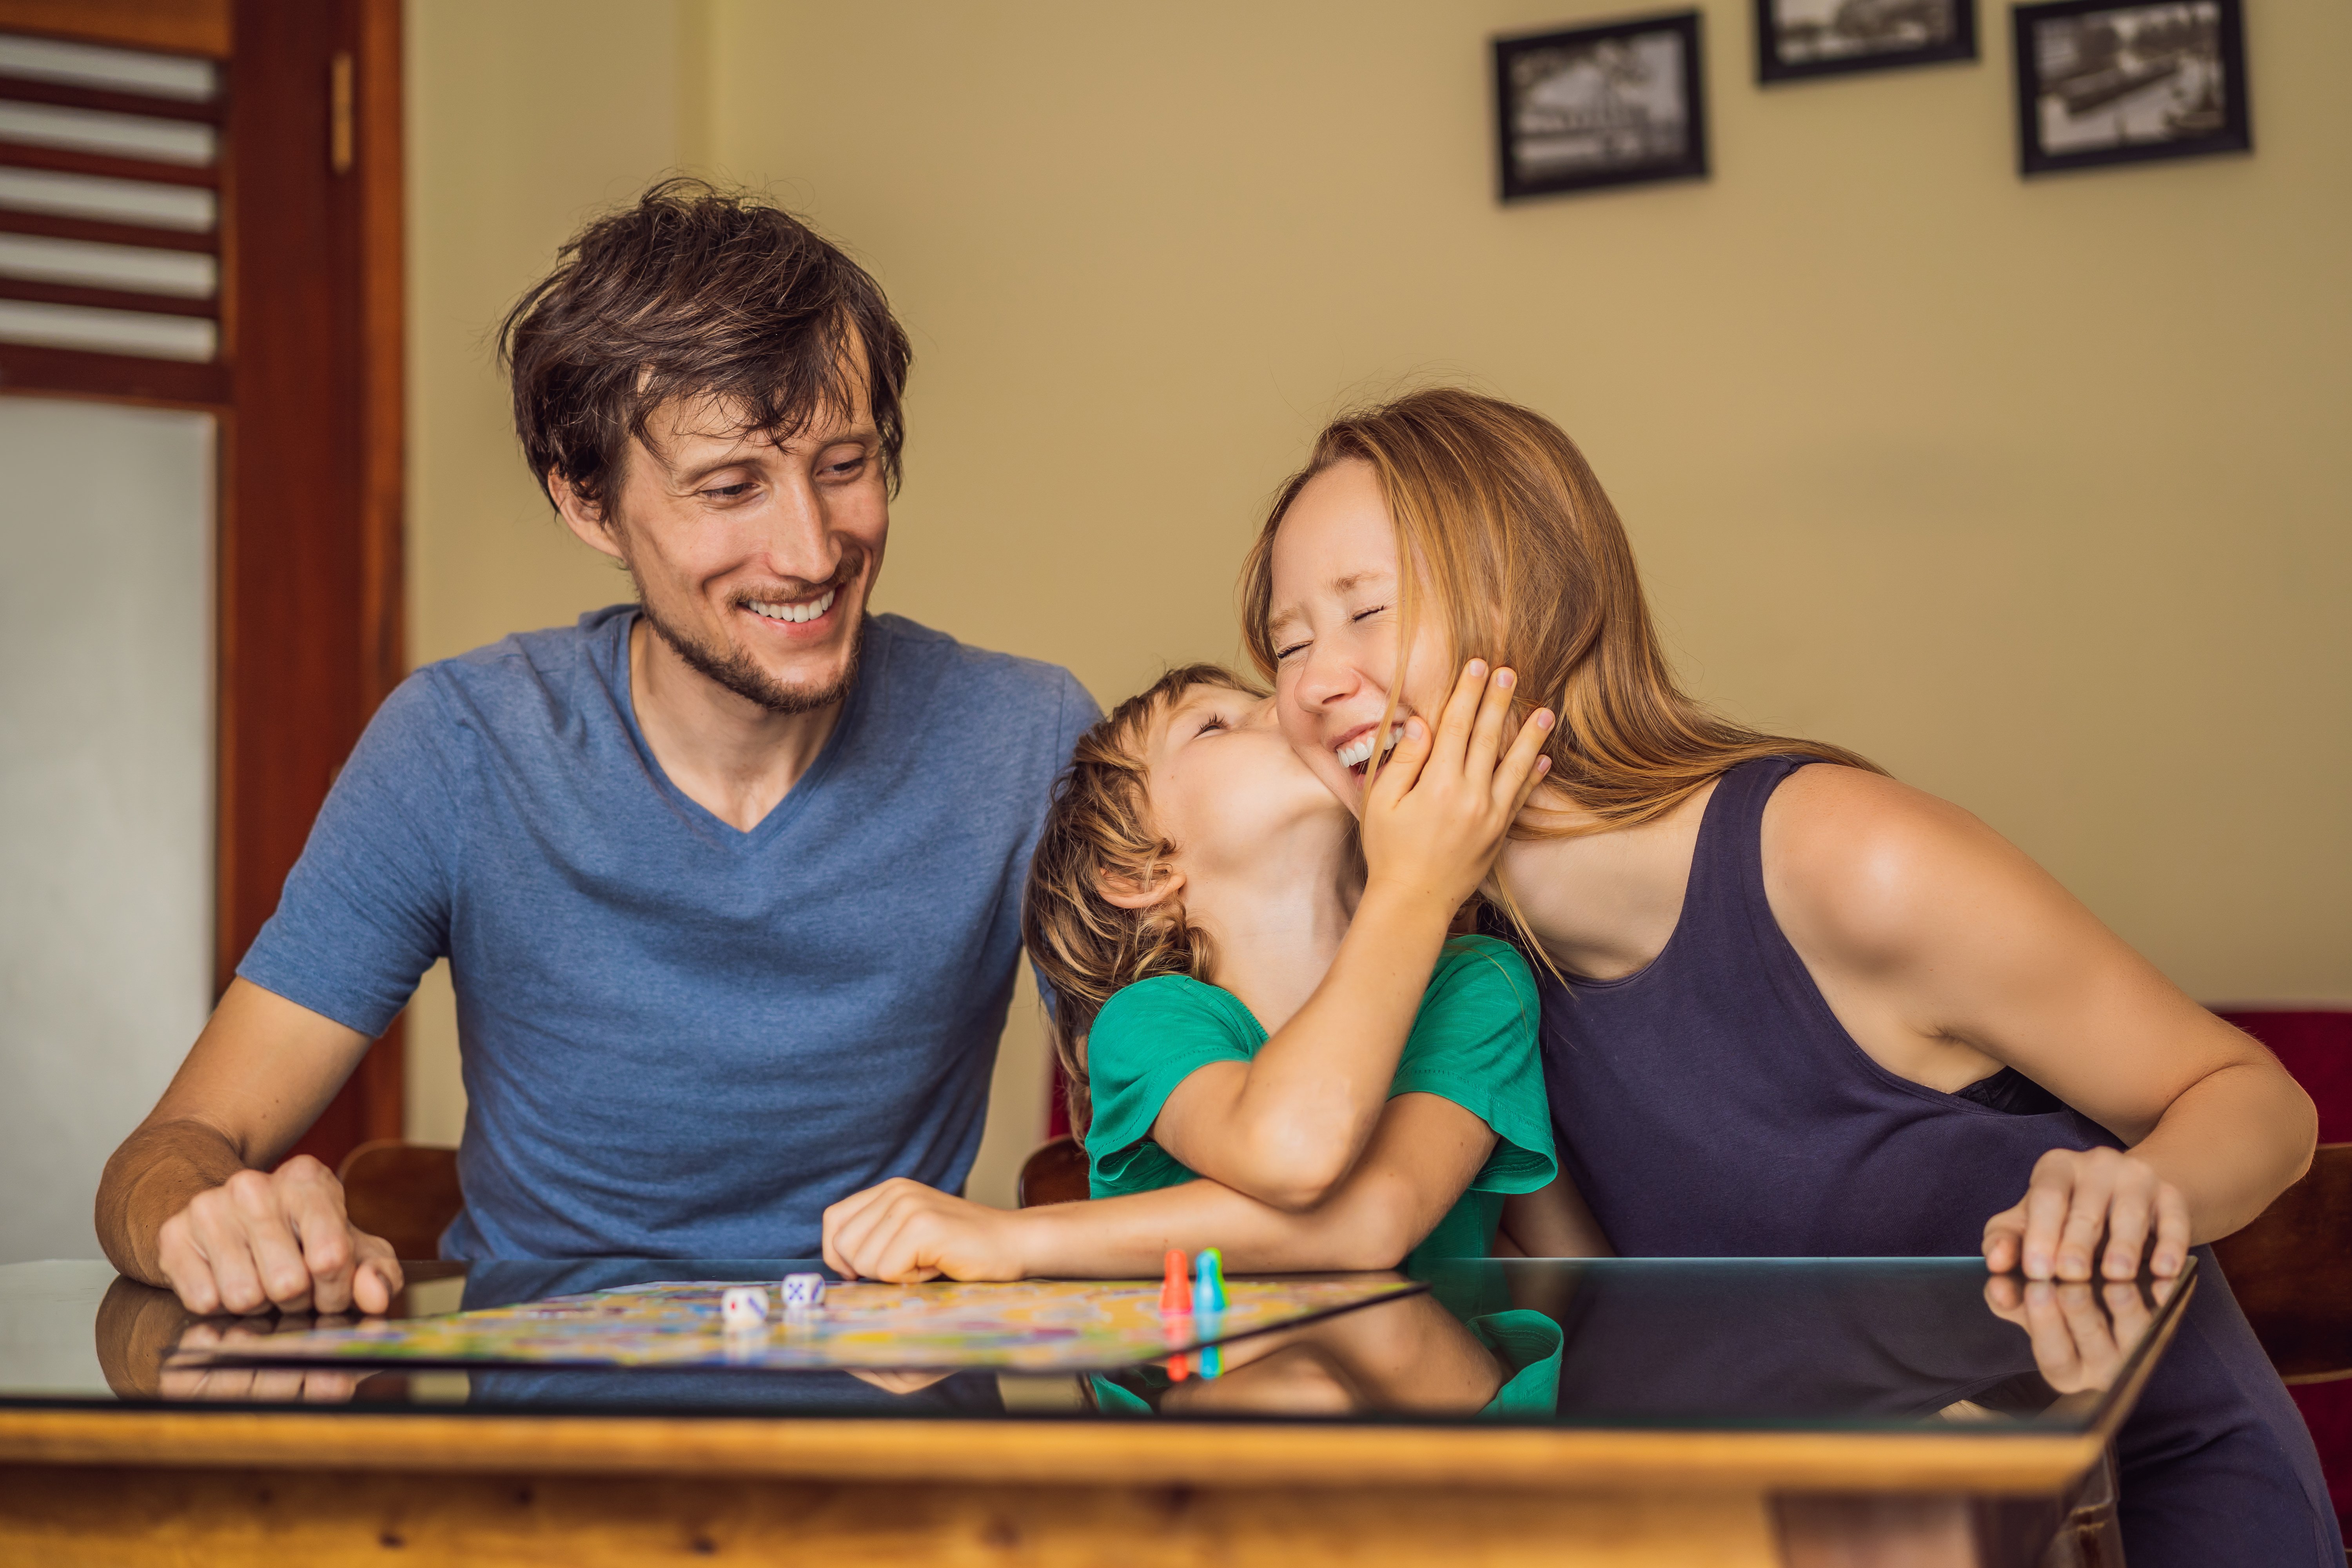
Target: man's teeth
[[1359, 752], [796, 613]]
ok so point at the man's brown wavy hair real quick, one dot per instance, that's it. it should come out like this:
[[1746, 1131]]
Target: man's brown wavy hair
[[1098, 829], [694, 293]]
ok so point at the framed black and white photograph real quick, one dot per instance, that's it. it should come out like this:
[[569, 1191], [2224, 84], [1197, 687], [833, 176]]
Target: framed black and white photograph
[[1797, 39], [1610, 105], [2100, 82]]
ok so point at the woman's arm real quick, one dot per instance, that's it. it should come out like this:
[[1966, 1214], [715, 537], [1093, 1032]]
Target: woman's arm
[[1286, 1126], [1949, 955], [1423, 1153]]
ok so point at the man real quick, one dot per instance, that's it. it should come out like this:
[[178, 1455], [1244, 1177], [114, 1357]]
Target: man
[[728, 880]]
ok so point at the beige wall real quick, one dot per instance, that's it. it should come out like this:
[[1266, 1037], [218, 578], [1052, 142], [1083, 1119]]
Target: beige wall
[[2037, 492]]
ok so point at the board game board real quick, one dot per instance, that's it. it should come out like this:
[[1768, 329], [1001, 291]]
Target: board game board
[[1038, 1325]]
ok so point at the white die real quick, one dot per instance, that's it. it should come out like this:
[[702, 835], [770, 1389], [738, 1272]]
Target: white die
[[804, 1292], [743, 1307]]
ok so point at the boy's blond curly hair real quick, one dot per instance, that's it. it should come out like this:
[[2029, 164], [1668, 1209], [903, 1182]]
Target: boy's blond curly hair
[[1099, 827]]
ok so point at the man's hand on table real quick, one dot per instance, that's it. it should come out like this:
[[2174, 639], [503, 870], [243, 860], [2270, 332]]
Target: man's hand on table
[[280, 1239]]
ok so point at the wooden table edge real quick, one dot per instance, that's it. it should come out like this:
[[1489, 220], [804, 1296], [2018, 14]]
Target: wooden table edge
[[1059, 1452]]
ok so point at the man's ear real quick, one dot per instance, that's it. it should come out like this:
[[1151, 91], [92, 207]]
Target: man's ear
[[588, 520], [1128, 893]]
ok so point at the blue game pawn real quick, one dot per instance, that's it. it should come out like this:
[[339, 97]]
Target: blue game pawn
[[1208, 1283]]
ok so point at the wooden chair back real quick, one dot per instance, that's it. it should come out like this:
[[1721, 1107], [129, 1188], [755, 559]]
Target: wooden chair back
[[405, 1192], [1054, 1174], [2292, 1271]]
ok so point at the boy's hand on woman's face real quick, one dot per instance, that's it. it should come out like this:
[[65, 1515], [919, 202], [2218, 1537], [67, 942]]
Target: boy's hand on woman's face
[[1437, 810], [904, 1233]]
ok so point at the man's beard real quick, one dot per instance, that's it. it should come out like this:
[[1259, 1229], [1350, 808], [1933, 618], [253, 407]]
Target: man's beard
[[736, 670]]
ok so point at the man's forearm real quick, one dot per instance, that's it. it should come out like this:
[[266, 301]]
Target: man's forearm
[[151, 1178]]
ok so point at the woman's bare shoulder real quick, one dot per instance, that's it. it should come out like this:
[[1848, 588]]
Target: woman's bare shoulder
[[1871, 867]]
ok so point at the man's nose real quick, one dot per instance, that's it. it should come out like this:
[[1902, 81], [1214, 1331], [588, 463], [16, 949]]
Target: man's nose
[[794, 541]]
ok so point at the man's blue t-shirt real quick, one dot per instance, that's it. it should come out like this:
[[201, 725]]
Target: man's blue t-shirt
[[681, 1039]]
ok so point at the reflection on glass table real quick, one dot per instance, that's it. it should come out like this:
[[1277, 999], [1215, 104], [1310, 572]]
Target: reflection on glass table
[[1715, 1344]]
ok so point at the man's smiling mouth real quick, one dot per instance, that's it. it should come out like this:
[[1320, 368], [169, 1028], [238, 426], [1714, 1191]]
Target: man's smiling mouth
[[793, 613]]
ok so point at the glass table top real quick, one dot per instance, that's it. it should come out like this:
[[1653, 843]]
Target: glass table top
[[1816, 1344]]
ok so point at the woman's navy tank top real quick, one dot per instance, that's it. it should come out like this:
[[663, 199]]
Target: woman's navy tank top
[[1711, 1105]]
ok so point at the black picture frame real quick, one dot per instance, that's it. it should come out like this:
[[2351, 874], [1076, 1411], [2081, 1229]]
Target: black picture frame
[[1774, 64], [1610, 49], [2204, 53]]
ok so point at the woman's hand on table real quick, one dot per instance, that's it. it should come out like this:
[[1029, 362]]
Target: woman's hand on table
[[2073, 1200], [2081, 1334], [905, 1233], [278, 1239]]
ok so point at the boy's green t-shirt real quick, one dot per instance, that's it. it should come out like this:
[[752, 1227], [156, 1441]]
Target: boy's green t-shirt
[[1473, 1042]]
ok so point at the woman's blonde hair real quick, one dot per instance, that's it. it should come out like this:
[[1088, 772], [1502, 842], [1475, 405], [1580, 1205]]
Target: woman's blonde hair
[[1501, 522], [1098, 829]]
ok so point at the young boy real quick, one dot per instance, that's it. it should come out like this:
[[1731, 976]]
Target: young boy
[[1274, 1047]]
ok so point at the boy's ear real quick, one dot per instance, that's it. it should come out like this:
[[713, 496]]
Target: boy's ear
[[1129, 893]]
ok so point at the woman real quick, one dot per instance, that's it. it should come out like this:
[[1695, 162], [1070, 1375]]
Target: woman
[[1790, 1005]]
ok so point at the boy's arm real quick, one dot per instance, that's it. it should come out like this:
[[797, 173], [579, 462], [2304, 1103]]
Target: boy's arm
[[1423, 1155], [1554, 1222], [1286, 1126]]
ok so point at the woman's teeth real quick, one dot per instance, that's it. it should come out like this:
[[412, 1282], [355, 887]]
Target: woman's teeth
[[1359, 752], [795, 614]]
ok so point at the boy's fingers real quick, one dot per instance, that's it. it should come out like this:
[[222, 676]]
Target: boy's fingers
[[1461, 710], [1524, 765], [1396, 775], [1486, 731]]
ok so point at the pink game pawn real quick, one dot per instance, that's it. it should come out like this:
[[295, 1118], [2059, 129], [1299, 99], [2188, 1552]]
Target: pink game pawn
[[1176, 1289]]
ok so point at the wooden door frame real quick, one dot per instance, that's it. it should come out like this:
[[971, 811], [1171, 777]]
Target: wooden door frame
[[308, 393]]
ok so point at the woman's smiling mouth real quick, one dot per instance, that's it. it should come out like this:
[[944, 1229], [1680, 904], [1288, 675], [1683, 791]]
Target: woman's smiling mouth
[[1355, 752]]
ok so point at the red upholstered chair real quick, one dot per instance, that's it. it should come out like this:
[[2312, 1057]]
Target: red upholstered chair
[[2292, 1269], [1056, 1173]]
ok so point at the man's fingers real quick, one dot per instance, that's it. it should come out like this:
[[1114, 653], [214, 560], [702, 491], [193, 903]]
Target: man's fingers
[[377, 1279], [315, 1212], [185, 1268], [277, 1255], [221, 1237]]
